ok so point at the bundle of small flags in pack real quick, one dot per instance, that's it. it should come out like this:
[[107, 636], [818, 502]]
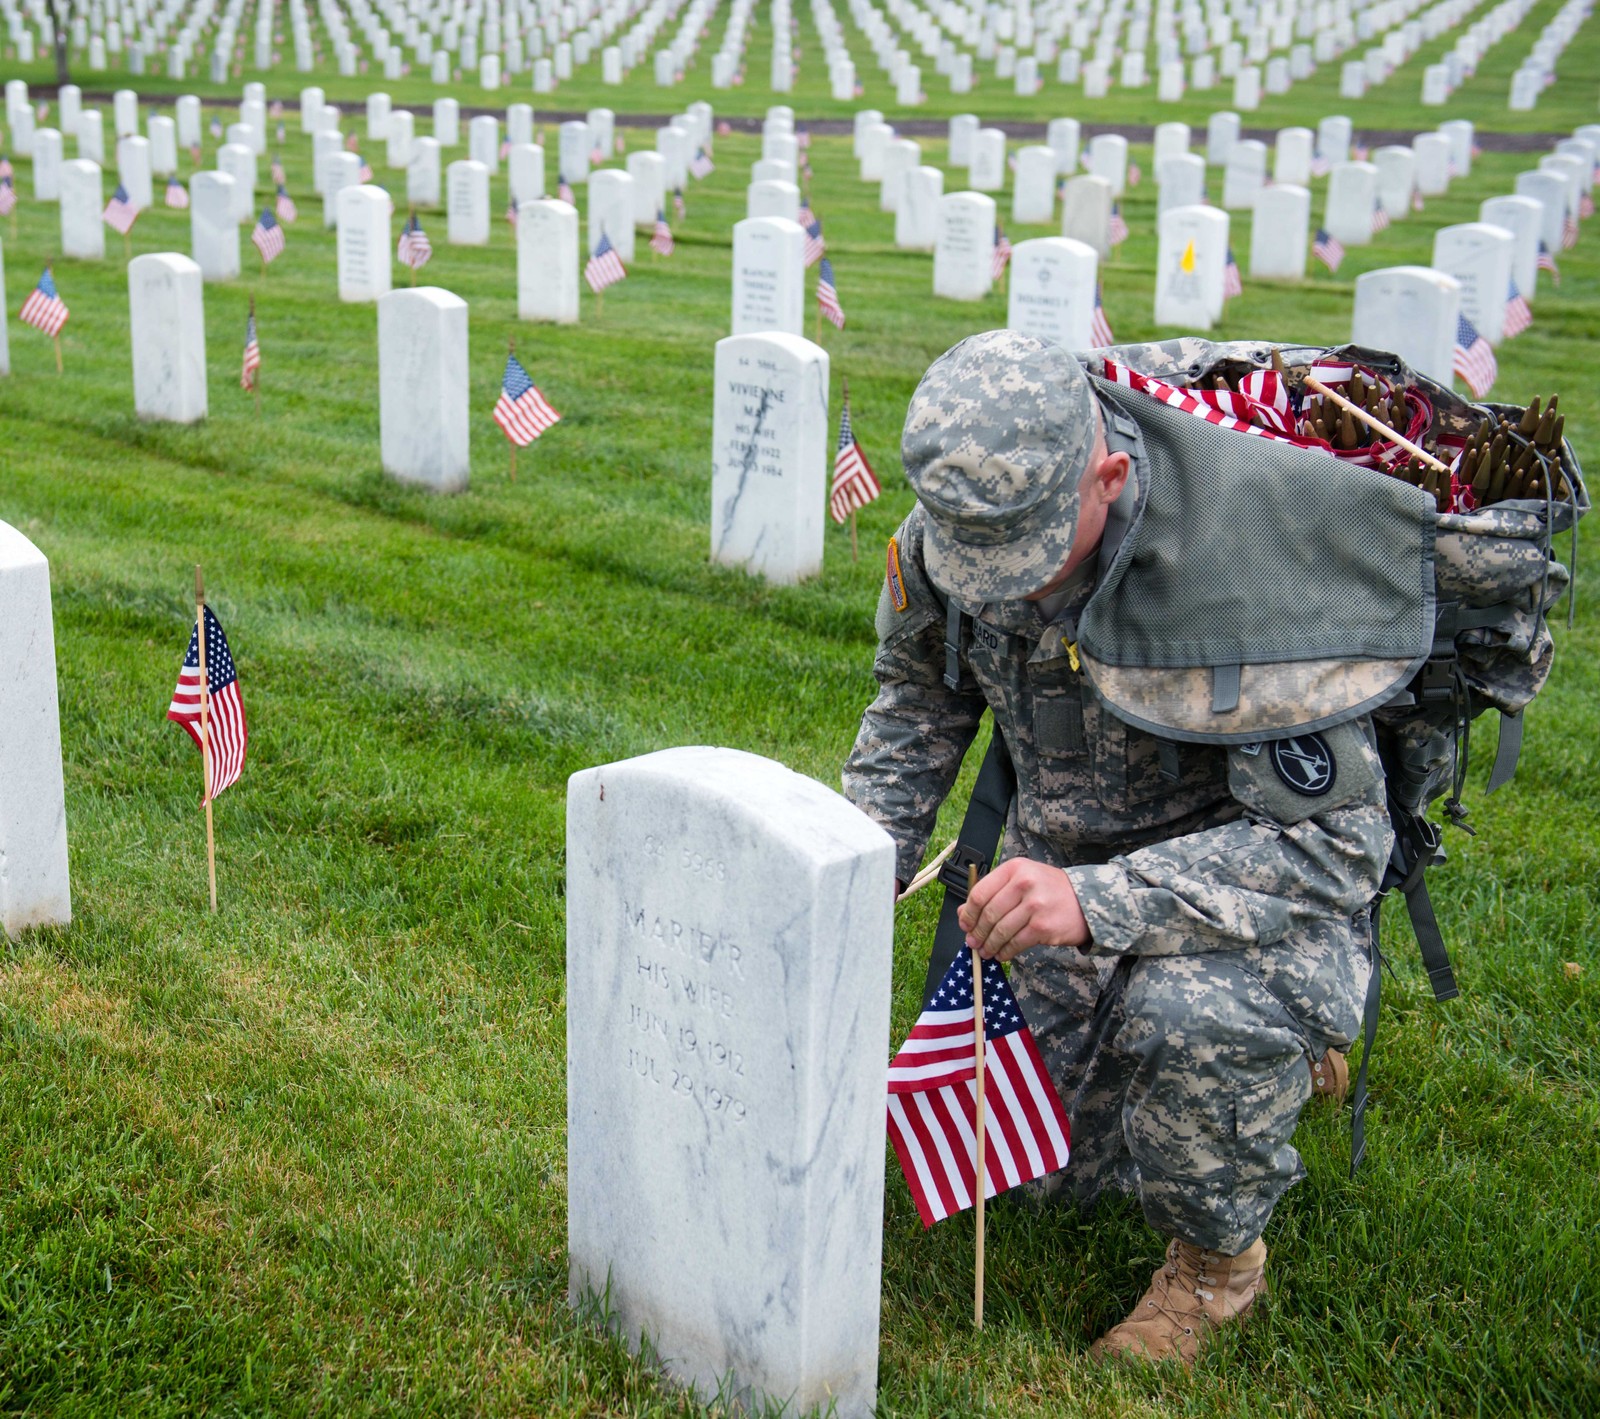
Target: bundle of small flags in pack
[[120, 213], [828, 296], [414, 249], [268, 237], [521, 411], [605, 267], [1002, 252], [177, 193], [1118, 230], [1329, 250], [661, 239]]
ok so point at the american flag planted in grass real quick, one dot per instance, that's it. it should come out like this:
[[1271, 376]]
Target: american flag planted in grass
[[8, 197], [120, 213], [287, 211], [521, 411], [1002, 252], [1473, 358], [177, 194], [226, 728], [44, 309], [1232, 285], [252, 355], [1099, 327], [815, 245], [828, 295], [1519, 316], [1118, 230], [1329, 250], [414, 249], [933, 1097], [661, 239], [701, 166], [1380, 218], [854, 483], [604, 267], [1547, 262], [268, 236]]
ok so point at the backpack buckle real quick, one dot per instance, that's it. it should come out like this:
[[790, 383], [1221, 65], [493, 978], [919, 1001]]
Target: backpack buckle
[[954, 873]]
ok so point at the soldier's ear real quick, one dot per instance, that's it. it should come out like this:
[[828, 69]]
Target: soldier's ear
[[1111, 476]]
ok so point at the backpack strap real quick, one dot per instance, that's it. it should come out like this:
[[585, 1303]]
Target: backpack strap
[[1369, 1032], [985, 820]]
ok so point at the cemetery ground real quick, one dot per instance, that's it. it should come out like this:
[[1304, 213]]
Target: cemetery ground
[[308, 1155]]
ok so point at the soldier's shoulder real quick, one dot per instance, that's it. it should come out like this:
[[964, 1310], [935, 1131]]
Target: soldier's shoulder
[[908, 601]]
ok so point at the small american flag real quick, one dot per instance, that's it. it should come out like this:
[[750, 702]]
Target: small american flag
[[1118, 230], [1416, 199], [1135, 175], [805, 216], [1002, 253], [511, 213], [1569, 232], [604, 267], [854, 483], [828, 296], [701, 166], [414, 250], [8, 197], [521, 411], [1099, 327], [1232, 285], [366, 172], [564, 191], [678, 209], [268, 236], [1586, 206], [1380, 218], [505, 149], [6, 170], [177, 193], [225, 726], [1358, 152], [278, 174], [120, 213], [216, 128], [1320, 167], [351, 142], [1547, 262], [44, 309], [933, 1098], [287, 211], [1473, 359], [1518, 314], [661, 239], [276, 111], [815, 245], [248, 373], [1329, 250], [195, 154], [597, 155]]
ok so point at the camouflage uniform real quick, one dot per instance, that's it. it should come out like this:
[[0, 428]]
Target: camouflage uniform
[[1227, 911]]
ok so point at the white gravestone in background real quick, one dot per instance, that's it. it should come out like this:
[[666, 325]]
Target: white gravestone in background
[[1432, 154], [47, 165], [1033, 198], [611, 211], [213, 233], [1397, 179], [1292, 156], [899, 157], [1352, 199], [397, 146], [1280, 232], [422, 386], [916, 217], [1521, 216], [768, 276], [34, 886], [363, 243], [133, 171], [547, 261], [726, 1066], [1086, 212], [163, 145], [987, 170], [963, 252], [1333, 139], [1063, 137], [1191, 255], [1222, 132], [772, 199], [1480, 257], [769, 456], [575, 149], [1180, 181], [5, 336], [1245, 174], [1411, 311], [240, 164], [525, 172], [1052, 289], [1108, 158], [649, 173], [466, 203], [963, 127], [422, 176], [91, 136], [167, 327], [447, 122], [1550, 191], [339, 171], [483, 141]]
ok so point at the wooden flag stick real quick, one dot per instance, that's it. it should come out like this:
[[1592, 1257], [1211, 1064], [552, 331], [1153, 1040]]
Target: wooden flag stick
[[979, 1172], [928, 873], [58, 354], [513, 463], [205, 730], [1316, 386], [855, 555]]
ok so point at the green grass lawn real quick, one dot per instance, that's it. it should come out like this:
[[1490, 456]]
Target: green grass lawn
[[308, 1155]]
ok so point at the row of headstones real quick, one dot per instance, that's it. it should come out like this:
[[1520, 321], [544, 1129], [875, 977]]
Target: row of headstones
[[1538, 71]]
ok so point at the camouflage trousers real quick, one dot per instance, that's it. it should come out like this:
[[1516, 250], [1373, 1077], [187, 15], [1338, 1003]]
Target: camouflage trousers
[[1184, 1076]]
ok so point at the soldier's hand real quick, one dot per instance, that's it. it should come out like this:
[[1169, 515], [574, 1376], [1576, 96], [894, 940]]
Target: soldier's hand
[[1022, 904]]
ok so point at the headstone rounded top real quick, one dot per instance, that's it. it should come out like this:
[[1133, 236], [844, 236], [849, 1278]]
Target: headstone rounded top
[[174, 261], [434, 296], [16, 550]]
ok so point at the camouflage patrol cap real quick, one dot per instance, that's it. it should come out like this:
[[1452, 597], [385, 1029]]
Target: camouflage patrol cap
[[996, 441]]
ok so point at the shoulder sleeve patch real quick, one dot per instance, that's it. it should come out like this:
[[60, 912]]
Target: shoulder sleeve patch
[[895, 582], [1288, 780]]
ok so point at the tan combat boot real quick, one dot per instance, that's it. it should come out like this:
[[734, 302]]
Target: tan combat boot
[[1330, 1077], [1190, 1295]]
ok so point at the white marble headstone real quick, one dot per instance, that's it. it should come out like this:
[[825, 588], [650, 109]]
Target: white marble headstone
[[1033, 197], [1480, 257], [1086, 212], [769, 459], [963, 252], [575, 149], [916, 218], [726, 1060], [1108, 158], [47, 165], [1352, 199], [1412, 312], [768, 276], [1549, 190], [1052, 288], [547, 261], [1522, 217], [422, 175], [167, 324], [1244, 175], [1397, 179], [611, 211], [422, 386], [1063, 135], [339, 171], [466, 203], [1192, 253], [35, 889], [364, 255], [987, 170], [1280, 232], [213, 230]]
